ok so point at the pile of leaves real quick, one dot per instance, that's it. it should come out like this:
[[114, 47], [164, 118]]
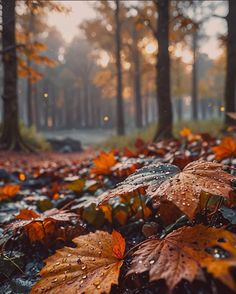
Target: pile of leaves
[[157, 219]]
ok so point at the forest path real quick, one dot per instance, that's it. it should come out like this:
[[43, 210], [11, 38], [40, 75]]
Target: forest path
[[86, 137]]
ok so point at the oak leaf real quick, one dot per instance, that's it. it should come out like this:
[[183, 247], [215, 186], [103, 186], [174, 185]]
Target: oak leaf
[[92, 267], [184, 253], [103, 163], [227, 148]]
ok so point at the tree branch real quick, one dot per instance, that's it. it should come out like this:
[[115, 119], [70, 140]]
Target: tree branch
[[9, 48]]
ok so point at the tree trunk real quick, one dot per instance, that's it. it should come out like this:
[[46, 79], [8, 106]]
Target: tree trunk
[[194, 78], [230, 84], [120, 125], [10, 137], [29, 78], [137, 83], [165, 118]]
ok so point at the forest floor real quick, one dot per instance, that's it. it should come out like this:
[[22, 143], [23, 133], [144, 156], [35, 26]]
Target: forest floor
[[159, 218]]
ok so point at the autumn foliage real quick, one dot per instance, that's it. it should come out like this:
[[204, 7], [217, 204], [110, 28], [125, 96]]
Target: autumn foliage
[[152, 218]]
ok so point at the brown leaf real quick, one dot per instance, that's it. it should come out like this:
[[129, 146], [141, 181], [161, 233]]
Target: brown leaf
[[184, 189], [92, 267], [184, 253]]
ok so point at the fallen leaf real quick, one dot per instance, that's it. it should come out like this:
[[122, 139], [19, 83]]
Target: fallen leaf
[[27, 214], [38, 226], [227, 148], [103, 163], [184, 253], [185, 132], [8, 191], [92, 267], [76, 186], [184, 189]]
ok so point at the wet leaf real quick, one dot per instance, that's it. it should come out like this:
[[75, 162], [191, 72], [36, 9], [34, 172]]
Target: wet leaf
[[184, 253], [92, 267], [184, 189]]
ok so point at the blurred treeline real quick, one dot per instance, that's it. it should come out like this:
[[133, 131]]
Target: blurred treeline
[[74, 85]]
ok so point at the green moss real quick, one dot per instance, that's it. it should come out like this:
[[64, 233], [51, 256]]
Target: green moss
[[34, 139]]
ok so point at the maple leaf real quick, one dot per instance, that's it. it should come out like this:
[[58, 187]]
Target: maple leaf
[[8, 191], [103, 163], [92, 267], [166, 183], [227, 148], [38, 226], [184, 253], [184, 189]]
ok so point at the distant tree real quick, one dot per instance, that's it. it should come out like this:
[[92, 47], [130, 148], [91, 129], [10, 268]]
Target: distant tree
[[230, 83], [120, 111], [32, 55], [165, 117], [105, 33]]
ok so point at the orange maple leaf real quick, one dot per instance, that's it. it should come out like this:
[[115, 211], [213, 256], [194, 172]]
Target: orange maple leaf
[[91, 267], [227, 148], [103, 163]]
